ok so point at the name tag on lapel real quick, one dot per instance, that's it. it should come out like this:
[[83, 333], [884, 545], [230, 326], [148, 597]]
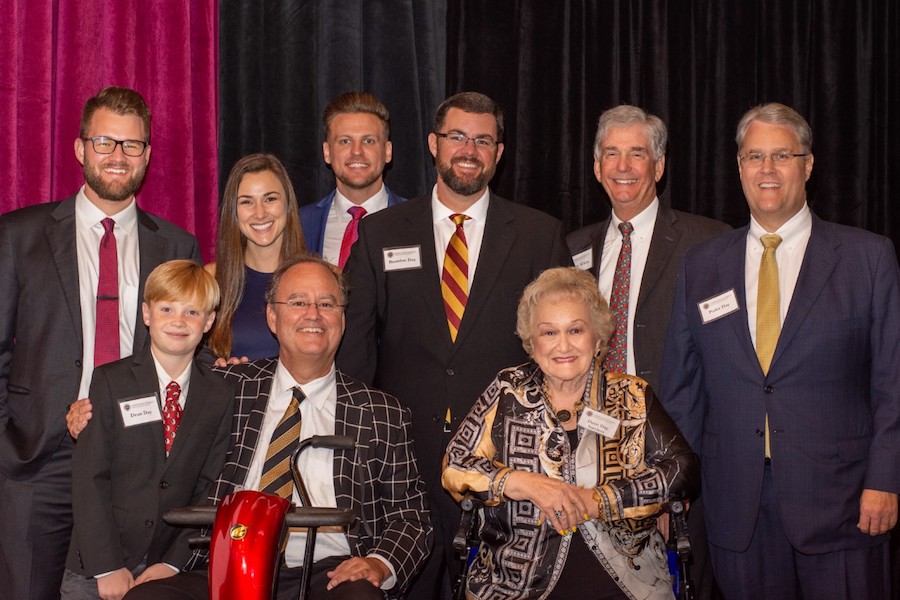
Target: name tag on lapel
[[139, 410], [402, 258], [718, 306], [584, 260]]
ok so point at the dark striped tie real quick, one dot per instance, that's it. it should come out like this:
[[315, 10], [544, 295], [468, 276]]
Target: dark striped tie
[[276, 478]]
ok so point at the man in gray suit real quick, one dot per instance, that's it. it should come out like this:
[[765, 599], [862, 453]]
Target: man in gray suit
[[52, 273], [629, 160]]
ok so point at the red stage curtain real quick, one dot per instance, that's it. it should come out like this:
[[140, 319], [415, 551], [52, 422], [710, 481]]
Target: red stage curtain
[[55, 54]]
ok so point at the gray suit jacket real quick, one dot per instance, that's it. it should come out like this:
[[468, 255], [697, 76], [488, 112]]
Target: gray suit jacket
[[40, 323], [674, 232]]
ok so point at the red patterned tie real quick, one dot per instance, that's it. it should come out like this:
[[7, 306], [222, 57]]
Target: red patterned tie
[[171, 413], [455, 276], [617, 359], [351, 234], [106, 336]]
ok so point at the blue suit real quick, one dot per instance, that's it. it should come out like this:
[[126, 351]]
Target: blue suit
[[832, 393], [314, 217]]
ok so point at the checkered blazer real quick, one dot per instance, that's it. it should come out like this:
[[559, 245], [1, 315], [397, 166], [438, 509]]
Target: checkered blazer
[[379, 480]]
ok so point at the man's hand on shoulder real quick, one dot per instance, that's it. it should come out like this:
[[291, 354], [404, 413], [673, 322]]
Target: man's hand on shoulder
[[877, 512], [371, 569], [78, 416], [234, 360]]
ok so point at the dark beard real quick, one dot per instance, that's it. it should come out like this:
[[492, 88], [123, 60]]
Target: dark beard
[[464, 186], [115, 192]]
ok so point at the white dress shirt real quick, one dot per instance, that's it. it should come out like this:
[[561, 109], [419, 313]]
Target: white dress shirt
[[789, 257], [641, 236], [338, 218], [473, 228], [88, 233]]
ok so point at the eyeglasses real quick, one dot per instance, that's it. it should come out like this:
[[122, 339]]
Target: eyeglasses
[[303, 305], [454, 138], [105, 145], [756, 159]]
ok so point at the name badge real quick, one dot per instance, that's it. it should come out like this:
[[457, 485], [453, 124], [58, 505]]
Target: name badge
[[402, 258], [598, 422], [139, 410], [718, 306], [584, 260]]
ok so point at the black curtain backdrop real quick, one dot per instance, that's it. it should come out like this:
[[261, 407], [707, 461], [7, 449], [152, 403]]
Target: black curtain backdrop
[[281, 61], [555, 66]]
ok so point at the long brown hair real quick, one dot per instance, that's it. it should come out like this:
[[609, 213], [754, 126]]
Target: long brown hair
[[231, 243]]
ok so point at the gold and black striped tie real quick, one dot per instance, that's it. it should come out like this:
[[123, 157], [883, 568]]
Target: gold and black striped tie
[[276, 478]]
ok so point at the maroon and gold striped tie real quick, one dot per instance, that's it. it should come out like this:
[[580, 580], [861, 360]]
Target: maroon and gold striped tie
[[455, 276]]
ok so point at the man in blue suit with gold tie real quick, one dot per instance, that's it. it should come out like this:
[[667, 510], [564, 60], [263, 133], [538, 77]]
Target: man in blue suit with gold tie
[[782, 368]]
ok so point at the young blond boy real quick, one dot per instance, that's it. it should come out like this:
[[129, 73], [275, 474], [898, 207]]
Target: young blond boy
[[157, 438]]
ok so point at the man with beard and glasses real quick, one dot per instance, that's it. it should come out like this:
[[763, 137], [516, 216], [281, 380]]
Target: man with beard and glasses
[[71, 274], [357, 147], [435, 283]]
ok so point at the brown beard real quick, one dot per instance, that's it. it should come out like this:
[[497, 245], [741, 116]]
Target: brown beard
[[464, 186], [113, 192]]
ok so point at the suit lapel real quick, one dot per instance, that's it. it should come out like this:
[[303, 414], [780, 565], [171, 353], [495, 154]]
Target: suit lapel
[[597, 247], [198, 394], [420, 226], [345, 468], [61, 239], [144, 371], [499, 235], [252, 399], [152, 250], [662, 244], [730, 268], [819, 262]]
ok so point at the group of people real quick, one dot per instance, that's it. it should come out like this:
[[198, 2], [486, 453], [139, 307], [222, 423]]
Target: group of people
[[573, 384]]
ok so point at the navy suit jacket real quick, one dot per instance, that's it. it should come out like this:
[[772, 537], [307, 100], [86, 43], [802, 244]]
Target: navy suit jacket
[[832, 393], [314, 218], [40, 323], [397, 334], [673, 233], [122, 479], [378, 480]]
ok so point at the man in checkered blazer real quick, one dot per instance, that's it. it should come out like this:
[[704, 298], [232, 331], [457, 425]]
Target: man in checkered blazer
[[379, 480]]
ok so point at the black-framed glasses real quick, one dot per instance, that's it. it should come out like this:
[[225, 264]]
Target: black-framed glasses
[[756, 159], [106, 145], [303, 305], [456, 138]]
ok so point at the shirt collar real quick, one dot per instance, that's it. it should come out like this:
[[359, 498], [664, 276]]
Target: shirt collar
[[642, 222], [476, 212], [790, 232], [316, 391], [86, 212], [164, 378], [376, 201]]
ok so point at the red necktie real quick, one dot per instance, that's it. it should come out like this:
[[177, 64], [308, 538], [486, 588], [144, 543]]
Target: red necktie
[[351, 234], [617, 359], [171, 413], [455, 276], [106, 336]]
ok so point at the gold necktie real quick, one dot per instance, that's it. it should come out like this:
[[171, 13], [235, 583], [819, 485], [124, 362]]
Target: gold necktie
[[276, 478], [455, 276], [768, 311]]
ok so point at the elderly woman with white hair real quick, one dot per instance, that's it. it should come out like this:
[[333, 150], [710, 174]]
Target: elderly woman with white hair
[[573, 463]]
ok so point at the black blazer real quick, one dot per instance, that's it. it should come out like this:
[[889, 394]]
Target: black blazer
[[673, 233], [397, 334], [40, 323], [122, 481]]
